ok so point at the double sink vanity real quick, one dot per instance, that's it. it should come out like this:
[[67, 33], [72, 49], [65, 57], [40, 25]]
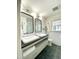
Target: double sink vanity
[[33, 45]]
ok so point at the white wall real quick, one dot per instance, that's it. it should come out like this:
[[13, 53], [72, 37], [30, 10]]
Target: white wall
[[19, 51], [54, 37]]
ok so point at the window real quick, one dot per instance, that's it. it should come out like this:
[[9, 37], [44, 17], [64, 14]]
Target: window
[[38, 25], [26, 24], [56, 26]]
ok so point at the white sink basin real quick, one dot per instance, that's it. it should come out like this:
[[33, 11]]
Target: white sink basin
[[29, 38]]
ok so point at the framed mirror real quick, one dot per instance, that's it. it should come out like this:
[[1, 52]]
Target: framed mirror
[[38, 25], [27, 26]]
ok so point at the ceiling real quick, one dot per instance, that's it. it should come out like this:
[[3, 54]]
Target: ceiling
[[41, 7]]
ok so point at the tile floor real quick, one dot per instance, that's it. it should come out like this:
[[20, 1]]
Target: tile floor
[[50, 52]]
